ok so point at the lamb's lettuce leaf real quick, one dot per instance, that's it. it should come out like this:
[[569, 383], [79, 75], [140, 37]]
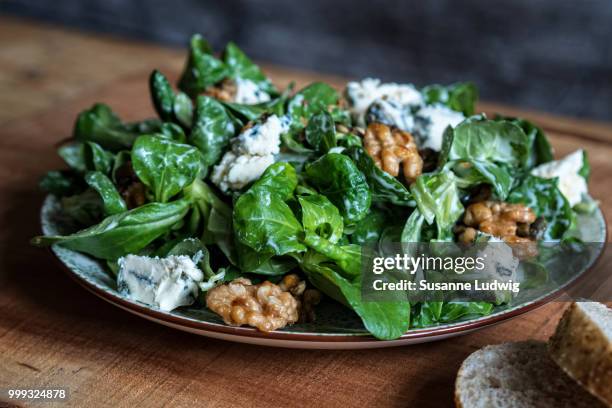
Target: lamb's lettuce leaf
[[321, 132], [472, 172], [101, 125], [314, 98], [321, 217], [546, 200], [279, 178], [170, 106], [348, 140], [460, 97], [87, 156], [369, 230], [172, 131], [452, 311], [240, 66], [385, 320], [183, 109], [486, 140], [212, 130], [276, 266], [211, 218], [124, 233], [166, 167], [347, 257], [72, 154], [481, 150], [162, 95], [263, 222], [202, 69], [245, 113], [426, 314], [540, 150], [97, 159], [383, 186], [338, 178], [431, 313], [437, 199], [292, 143], [412, 231], [113, 203]]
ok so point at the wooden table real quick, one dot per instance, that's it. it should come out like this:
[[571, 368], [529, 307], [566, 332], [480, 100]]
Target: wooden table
[[54, 333]]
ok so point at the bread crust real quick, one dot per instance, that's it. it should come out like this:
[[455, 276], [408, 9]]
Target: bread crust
[[581, 348], [519, 374], [456, 395]]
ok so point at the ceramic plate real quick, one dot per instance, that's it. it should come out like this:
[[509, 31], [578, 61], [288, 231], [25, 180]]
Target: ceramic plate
[[336, 327]]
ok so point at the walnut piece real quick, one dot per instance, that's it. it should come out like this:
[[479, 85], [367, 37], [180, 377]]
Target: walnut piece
[[308, 298], [292, 283], [390, 147], [514, 223], [265, 306], [224, 91]]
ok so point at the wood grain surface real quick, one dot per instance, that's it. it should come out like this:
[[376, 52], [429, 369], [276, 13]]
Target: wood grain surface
[[55, 334]]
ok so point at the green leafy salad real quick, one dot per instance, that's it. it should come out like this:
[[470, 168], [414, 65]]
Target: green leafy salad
[[256, 202]]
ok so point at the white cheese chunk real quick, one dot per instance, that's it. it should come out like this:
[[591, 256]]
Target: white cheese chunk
[[360, 95], [262, 138], [166, 283], [571, 184], [252, 152], [247, 92], [391, 113], [235, 172], [501, 263], [430, 123]]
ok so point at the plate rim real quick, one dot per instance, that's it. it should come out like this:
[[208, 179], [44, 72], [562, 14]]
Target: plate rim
[[415, 335]]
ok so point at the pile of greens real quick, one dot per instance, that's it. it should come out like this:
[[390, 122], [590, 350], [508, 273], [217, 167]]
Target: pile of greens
[[312, 210]]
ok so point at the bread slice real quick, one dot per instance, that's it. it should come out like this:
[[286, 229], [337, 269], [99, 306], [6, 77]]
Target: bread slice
[[582, 347], [517, 375]]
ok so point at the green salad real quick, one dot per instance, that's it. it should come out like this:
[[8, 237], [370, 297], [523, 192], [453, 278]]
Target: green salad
[[256, 202]]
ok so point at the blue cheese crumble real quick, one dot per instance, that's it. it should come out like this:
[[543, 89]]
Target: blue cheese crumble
[[166, 283], [360, 95], [247, 92], [571, 184], [252, 152], [236, 171], [501, 268], [391, 113], [431, 122], [502, 263]]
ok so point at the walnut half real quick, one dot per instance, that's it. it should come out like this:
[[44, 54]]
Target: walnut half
[[265, 306], [390, 147], [510, 222]]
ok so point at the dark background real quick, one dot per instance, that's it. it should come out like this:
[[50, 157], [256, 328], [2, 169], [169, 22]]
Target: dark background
[[552, 55]]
